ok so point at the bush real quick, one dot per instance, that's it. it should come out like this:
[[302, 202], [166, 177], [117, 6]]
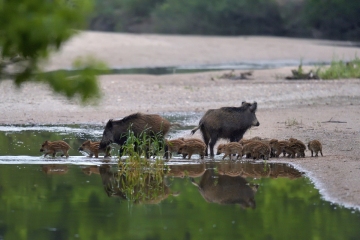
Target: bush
[[230, 17]]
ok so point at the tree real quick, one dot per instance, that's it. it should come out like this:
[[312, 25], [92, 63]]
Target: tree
[[31, 30]]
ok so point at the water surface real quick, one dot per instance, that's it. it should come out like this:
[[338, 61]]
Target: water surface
[[84, 198]]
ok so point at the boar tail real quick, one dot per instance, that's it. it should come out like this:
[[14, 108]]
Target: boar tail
[[194, 130]]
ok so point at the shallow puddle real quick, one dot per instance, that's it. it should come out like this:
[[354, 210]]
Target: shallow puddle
[[88, 198]]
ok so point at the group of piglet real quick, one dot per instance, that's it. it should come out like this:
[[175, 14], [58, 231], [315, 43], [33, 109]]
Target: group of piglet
[[255, 148], [89, 147]]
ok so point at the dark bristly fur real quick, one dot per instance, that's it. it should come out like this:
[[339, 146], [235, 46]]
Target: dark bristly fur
[[152, 125], [228, 123]]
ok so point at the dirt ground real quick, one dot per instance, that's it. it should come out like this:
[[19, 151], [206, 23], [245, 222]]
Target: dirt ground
[[308, 109]]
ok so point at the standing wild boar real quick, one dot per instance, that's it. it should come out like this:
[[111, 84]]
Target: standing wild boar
[[116, 131], [261, 150], [315, 146], [299, 146], [279, 147], [92, 148], [172, 145], [226, 122], [54, 147], [229, 149], [192, 146]]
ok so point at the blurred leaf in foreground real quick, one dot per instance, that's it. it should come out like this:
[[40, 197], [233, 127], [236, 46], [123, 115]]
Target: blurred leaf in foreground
[[31, 30]]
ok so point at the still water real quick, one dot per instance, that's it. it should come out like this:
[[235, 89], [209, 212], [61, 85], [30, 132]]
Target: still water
[[83, 198]]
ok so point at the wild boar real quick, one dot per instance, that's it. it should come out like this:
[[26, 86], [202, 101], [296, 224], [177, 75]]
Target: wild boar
[[261, 150], [172, 146], [151, 125], [191, 140], [248, 148], [226, 122], [229, 149], [299, 147], [192, 146], [281, 147], [55, 147], [92, 148], [223, 189], [315, 146]]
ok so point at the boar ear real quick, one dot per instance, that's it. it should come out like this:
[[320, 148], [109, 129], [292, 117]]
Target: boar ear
[[245, 105], [109, 124], [253, 107]]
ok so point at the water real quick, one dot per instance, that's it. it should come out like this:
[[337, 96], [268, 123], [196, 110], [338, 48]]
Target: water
[[253, 65], [82, 198]]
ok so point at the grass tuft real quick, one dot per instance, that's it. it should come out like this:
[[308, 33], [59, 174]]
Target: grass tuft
[[142, 180], [340, 69]]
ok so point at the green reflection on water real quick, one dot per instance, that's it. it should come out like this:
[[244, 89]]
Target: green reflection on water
[[57, 201], [39, 205]]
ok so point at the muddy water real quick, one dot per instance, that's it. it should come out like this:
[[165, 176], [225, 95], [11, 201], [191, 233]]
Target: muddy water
[[84, 198]]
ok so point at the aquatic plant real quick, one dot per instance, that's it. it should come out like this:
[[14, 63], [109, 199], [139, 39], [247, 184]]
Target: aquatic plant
[[140, 179]]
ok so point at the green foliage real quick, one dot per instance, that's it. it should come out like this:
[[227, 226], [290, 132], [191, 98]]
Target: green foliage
[[341, 69], [334, 18], [228, 17], [31, 30], [142, 180], [35, 205], [144, 145]]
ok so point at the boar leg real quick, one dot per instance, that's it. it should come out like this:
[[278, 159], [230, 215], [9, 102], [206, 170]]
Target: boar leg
[[213, 140], [321, 153], [167, 154]]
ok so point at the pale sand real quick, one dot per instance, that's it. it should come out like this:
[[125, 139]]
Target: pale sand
[[286, 109]]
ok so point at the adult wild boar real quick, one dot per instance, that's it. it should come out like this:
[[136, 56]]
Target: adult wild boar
[[116, 131], [226, 122]]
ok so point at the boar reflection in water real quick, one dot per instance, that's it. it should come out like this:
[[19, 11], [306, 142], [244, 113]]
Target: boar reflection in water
[[188, 170], [56, 169], [223, 189], [151, 193]]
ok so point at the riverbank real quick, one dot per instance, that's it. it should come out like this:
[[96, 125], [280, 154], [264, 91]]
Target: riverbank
[[304, 109]]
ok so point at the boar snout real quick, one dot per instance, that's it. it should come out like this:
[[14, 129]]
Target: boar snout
[[256, 123]]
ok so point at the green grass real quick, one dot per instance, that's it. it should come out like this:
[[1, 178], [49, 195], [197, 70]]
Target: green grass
[[340, 69], [142, 180]]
